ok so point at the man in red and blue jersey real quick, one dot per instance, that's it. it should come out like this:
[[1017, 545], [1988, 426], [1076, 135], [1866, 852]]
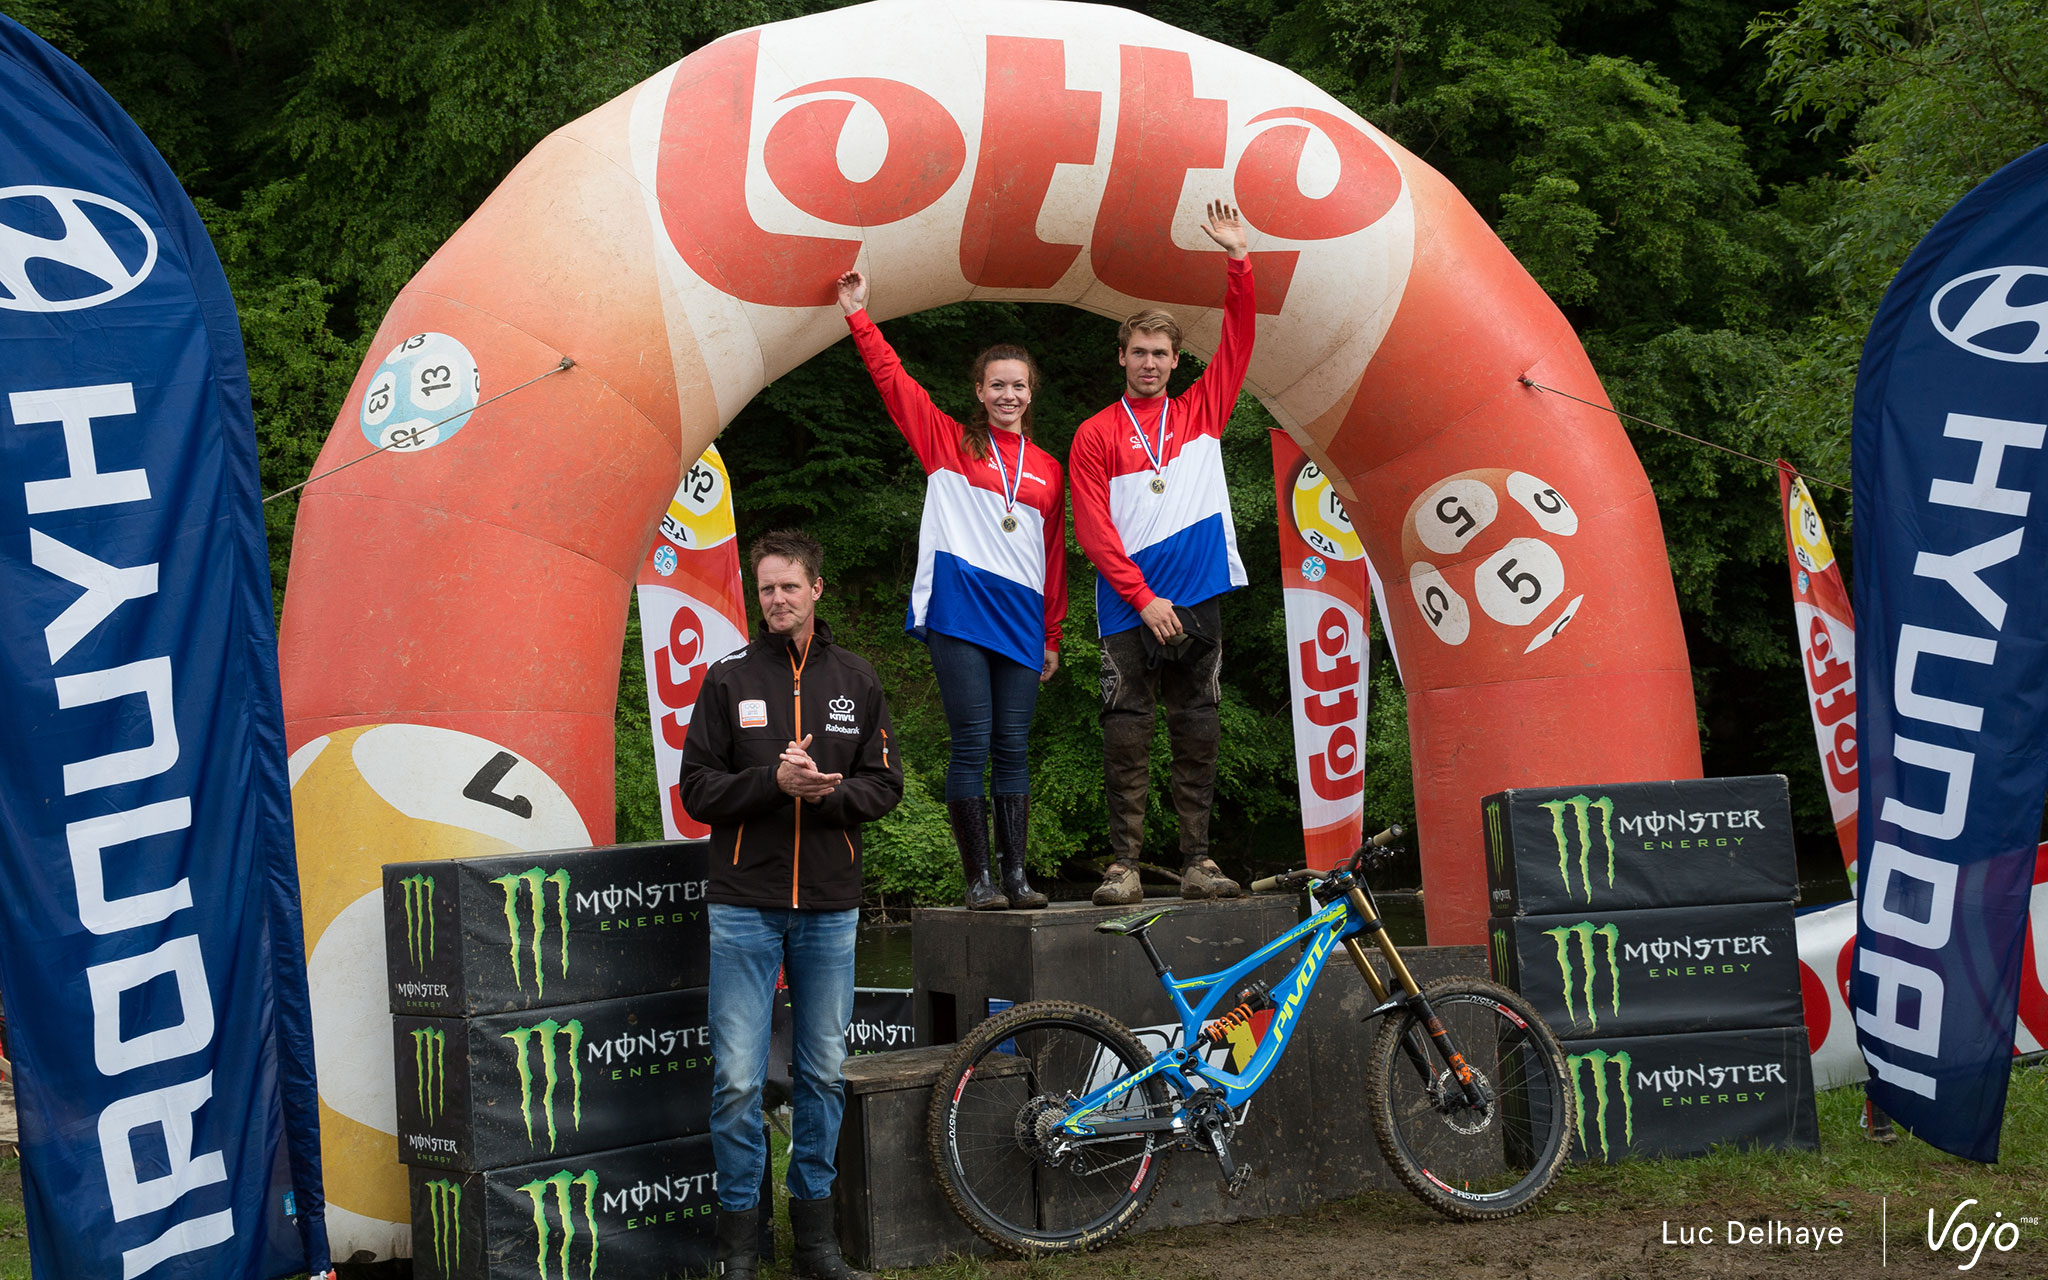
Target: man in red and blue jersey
[[1152, 512]]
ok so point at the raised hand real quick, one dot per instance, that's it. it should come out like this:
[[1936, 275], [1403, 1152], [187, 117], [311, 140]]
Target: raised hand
[[853, 291], [1223, 227]]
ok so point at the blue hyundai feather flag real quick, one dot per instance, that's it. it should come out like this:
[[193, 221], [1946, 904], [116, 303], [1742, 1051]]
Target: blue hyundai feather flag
[[150, 945], [1951, 499]]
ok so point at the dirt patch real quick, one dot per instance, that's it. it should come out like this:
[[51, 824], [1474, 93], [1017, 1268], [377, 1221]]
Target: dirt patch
[[1599, 1238]]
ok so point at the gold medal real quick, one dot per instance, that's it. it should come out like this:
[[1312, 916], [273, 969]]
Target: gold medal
[[1158, 484], [1009, 524]]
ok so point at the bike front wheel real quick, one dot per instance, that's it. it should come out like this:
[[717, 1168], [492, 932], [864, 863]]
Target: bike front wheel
[[996, 1142], [1472, 1162]]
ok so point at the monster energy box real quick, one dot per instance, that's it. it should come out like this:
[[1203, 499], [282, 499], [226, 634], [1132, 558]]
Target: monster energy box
[[528, 930], [1685, 1094], [508, 1088], [1640, 844], [636, 1213], [1629, 973]]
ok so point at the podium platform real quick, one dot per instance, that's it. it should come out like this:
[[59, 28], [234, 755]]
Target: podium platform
[[1307, 1136]]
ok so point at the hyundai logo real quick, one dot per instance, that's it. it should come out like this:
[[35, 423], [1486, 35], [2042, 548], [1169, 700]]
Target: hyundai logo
[[1987, 322], [89, 269]]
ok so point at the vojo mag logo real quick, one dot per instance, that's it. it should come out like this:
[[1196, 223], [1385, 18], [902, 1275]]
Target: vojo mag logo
[[1578, 959], [560, 1184], [532, 887], [1584, 1067], [542, 1038], [1581, 808], [444, 1222], [92, 267], [1984, 320], [430, 1072], [419, 918]]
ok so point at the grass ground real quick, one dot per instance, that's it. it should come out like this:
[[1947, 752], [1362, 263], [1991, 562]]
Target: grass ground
[[1844, 1182]]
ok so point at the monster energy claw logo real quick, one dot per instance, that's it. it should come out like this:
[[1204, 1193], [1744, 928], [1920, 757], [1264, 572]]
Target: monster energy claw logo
[[1500, 955], [1494, 844], [1581, 808], [1597, 1062], [1585, 931], [537, 880], [545, 1033], [430, 1071], [419, 919], [560, 1183], [444, 1214]]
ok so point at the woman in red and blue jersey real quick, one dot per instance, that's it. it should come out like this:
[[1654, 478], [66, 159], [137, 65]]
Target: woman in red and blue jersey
[[991, 585]]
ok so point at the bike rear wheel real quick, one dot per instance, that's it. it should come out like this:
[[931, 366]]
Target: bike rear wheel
[[995, 1112], [1472, 1163]]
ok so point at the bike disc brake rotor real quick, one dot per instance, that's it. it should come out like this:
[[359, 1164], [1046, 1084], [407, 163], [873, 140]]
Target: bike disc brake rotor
[[1459, 1115]]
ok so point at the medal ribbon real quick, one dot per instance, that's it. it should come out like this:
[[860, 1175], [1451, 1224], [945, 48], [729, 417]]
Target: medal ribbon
[[1152, 455], [1009, 488]]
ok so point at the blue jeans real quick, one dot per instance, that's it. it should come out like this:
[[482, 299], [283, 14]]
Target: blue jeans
[[988, 700], [815, 950]]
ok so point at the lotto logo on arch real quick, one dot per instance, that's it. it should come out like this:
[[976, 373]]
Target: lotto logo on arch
[[67, 250], [2000, 313]]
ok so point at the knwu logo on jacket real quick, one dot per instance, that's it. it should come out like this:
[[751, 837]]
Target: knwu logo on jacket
[[81, 247], [839, 717]]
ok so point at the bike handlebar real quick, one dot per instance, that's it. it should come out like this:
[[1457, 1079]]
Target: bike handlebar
[[1287, 879]]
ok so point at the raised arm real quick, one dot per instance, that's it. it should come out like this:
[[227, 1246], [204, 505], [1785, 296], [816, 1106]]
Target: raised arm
[[929, 431], [1214, 394]]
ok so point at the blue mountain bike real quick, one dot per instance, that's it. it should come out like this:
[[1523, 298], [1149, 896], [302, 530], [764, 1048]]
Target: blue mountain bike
[[1049, 1122]]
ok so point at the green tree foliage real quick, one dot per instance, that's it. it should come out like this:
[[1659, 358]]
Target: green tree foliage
[[1718, 215]]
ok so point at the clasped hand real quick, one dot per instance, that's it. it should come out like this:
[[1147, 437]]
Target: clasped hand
[[798, 774]]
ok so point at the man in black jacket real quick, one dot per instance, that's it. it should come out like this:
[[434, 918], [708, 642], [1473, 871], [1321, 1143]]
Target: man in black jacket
[[788, 754]]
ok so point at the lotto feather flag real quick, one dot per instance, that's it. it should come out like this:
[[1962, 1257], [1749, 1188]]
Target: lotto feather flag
[[692, 613], [1827, 646], [150, 948], [1323, 579], [1951, 494]]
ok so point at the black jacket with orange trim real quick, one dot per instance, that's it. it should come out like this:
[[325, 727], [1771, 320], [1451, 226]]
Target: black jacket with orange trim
[[767, 848]]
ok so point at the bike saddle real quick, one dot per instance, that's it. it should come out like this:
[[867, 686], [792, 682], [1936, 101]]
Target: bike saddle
[[1137, 922]]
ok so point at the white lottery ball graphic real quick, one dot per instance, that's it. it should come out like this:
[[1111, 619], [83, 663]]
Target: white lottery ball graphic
[[1518, 582], [421, 394], [1446, 612], [1459, 510], [1487, 556]]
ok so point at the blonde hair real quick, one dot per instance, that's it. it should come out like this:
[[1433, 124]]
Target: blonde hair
[[1150, 320]]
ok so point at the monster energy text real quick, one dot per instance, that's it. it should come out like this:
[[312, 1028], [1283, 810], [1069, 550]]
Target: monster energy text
[[1649, 827], [1583, 933], [632, 1054], [1707, 955], [419, 918], [430, 1071], [544, 1035], [533, 884], [561, 1184], [444, 1218], [1595, 1063], [672, 1199], [1582, 809]]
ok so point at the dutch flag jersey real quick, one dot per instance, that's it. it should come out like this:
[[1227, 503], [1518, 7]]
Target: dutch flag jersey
[[1164, 532], [1005, 590]]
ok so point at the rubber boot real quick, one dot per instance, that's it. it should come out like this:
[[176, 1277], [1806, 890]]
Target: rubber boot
[[970, 833], [817, 1243], [1013, 825], [739, 1236]]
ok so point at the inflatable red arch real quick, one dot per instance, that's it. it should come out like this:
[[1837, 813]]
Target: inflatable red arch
[[468, 591]]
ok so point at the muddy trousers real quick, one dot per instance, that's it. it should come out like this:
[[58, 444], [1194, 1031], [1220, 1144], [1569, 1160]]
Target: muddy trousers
[[1130, 693]]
